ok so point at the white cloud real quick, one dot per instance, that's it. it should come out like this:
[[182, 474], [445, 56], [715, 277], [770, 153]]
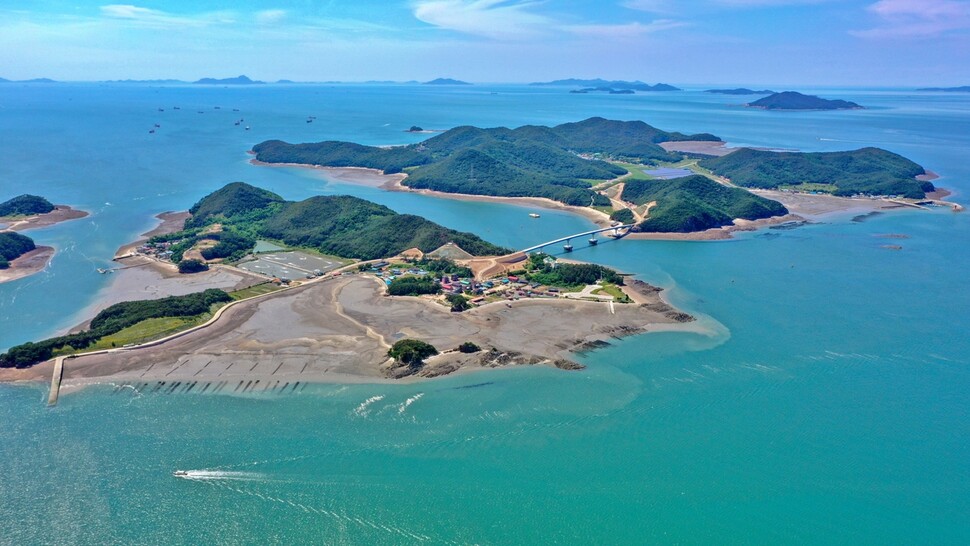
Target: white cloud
[[628, 30], [500, 19], [161, 19], [916, 18], [270, 16]]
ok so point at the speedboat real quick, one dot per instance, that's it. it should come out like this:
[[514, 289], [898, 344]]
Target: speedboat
[[180, 473], [533, 215]]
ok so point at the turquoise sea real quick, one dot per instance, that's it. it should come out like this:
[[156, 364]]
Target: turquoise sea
[[832, 405]]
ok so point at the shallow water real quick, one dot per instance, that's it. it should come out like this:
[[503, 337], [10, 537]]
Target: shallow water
[[829, 407]]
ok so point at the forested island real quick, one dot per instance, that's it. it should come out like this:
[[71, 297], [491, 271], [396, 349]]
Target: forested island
[[696, 203], [230, 220], [530, 161], [445, 81], [578, 163], [25, 205], [238, 80], [960, 89], [793, 100], [740, 91], [868, 171]]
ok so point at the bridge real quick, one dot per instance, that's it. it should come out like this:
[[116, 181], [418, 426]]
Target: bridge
[[568, 248]]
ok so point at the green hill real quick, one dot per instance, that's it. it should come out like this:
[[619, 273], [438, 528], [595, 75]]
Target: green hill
[[870, 171], [235, 199], [341, 225], [12, 246], [530, 161], [696, 203], [792, 100], [25, 205]]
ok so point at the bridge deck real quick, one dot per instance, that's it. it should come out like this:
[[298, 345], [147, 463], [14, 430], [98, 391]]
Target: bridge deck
[[583, 234]]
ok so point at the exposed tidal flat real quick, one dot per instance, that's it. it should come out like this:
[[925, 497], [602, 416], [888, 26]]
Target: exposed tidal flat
[[830, 408]]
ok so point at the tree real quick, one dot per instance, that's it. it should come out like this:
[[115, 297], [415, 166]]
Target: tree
[[469, 347], [192, 266], [411, 352], [458, 303]]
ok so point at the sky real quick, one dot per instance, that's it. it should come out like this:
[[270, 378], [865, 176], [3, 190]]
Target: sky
[[749, 42]]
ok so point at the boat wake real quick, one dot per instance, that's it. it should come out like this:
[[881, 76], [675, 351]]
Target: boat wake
[[218, 475]]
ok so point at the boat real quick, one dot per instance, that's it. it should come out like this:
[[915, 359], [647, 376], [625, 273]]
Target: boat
[[180, 473], [567, 248], [533, 215], [247, 127], [151, 131], [593, 241]]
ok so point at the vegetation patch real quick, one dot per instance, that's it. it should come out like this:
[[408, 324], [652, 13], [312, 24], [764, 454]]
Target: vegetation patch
[[25, 205], [530, 161], [12, 246], [413, 286], [411, 352], [870, 171], [696, 203], [113, 320]]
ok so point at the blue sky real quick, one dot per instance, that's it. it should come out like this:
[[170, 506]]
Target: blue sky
[[804, 42]]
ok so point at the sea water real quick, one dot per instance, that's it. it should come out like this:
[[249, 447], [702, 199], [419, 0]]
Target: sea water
[[827, 403]]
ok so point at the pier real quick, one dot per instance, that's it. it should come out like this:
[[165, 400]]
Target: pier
[[56, 381]]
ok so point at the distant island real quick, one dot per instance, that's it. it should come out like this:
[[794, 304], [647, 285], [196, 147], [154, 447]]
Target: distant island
[[35, 80], [606, 84], [608, 90], [446, 81], [961, 89], [868, 171], [740, 91], [792, 100], [238, 80]]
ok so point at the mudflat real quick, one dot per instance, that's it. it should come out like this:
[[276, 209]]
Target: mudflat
[[339, 330]]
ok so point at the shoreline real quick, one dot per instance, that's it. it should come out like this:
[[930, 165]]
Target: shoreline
[[28, 264], [337, 330], [61, 213], [376, 178]]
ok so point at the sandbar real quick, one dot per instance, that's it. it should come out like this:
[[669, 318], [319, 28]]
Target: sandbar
[[61, 213], [27, 264]]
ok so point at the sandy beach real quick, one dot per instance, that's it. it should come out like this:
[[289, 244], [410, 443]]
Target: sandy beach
[[32, 262], [339, 330], [61, 213], [395, 182]]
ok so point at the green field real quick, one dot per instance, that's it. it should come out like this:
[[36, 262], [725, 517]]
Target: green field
[[144, 331], [256, 290], [810, 187], [613, 290]]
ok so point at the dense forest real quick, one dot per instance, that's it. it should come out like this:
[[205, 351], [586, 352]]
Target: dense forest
[[12, 246], [25, 205], [696, 203], [530, 161], [112, 320], [413, 286], [341, 225], [792, 100], [870, 171]]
